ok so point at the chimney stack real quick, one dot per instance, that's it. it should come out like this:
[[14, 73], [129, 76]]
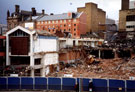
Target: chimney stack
[[8, 14], [51, 14], [17, 8], [33, 11], [125, 5], [43, 12]]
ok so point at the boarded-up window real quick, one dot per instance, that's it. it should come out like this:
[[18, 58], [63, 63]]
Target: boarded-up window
[[19, 45]]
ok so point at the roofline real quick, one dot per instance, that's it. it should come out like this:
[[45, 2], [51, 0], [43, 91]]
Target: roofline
[[22, 28], [58, 19]]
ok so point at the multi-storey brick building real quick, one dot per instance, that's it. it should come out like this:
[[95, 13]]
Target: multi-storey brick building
[[95, 16], [126, 17], [72, 23]]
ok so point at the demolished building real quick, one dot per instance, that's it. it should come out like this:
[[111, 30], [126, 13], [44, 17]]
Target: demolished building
[[37, 50]]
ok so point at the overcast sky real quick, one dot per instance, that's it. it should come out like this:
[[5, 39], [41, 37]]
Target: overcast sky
[[111, 7]]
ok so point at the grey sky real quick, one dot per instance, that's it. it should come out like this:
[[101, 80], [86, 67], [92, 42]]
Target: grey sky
[[111, 7]]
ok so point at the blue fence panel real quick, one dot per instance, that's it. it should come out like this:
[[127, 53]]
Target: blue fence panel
[[3, 83], [26, 83], [85, 83], [130, 86], [54, 83], [13, 83], [68, 83], [116, 85], [100, 85], [40, 83]]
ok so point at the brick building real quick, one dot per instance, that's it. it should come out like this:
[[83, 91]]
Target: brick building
[[72, 23], [126, 17], [95, 16], [19, 17]]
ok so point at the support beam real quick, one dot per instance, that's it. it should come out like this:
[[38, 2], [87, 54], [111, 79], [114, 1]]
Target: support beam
[[99, 54]]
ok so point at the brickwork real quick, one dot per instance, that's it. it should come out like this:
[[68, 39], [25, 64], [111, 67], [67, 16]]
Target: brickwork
[[94, 16], [75, 26]]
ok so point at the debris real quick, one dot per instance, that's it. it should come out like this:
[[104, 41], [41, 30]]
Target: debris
[[106, 68]]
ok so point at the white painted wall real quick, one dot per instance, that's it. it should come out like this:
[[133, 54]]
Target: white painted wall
[[130, 23], [45, 45], [29, 25], [50, 58], [69, 42]]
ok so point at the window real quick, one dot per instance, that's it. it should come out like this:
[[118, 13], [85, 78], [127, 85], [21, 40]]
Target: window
[[38, 22], [37, 61], [60, 25], [46, 22], [69, 20], [49, 22], [74, 34], [64, 25], [74, 20], [60, 21], [69, 25], [69, 29], [74, 24], [64, 30], [53, 22], [131, 26], [130, 18], [64, 21], [74, 29], [57, 21], [49, 30]]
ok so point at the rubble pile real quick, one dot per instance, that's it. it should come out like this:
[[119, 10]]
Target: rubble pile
[[101, 68]]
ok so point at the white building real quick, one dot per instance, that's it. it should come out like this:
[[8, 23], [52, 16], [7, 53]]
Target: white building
[[70, 42], [33, 48]]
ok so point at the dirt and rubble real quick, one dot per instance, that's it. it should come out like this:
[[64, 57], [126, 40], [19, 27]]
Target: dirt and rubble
[[116, 68]]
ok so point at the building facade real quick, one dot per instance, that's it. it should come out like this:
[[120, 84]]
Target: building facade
[[19, 17], [126, 17], [95, 16], [36, 50], [72, 23]]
